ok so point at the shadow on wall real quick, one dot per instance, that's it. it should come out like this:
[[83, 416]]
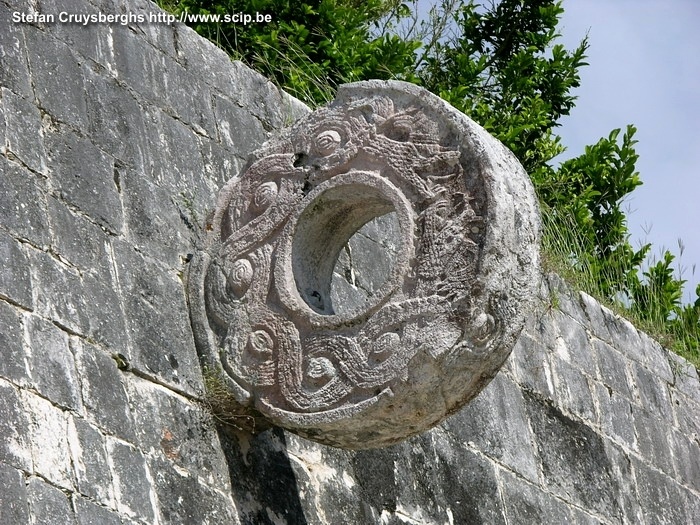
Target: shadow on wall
[[262, 478], [428, 478]]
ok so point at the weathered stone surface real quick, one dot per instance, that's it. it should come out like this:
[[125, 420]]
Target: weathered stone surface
[[615, 414], [15, 445], [13, 496], [685, 377], [92, 41], [48, 505], [172, 428], [653, 439], [79, 241], [400, 355], [183, 499], [177, 165], [496, 422], [84, 177], [23, 206], [685, 408], [661, 499], [139, 65], [573, 343], [197, 111], [243, 140], [653, 392], [431, 479], [574, 459], [531, 369], [160, 341], [13, 54], [50, 66], [89, 456], [89, 513], [52, 365], [656, 357], [152, 225], [622, 471], [60, 298], [23, 136], [525, 503], [114, 114], [263, 481], [48, 436], [103, 391], [15, 279], [85, 305], [13, 365], [612, 368], [573, 389], [595, 317], [132, 483]]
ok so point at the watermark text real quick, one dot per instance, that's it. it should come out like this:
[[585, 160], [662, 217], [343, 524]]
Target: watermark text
[[140, 18]]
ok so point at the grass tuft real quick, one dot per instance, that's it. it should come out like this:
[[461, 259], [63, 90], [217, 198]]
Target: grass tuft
[[567, 253]]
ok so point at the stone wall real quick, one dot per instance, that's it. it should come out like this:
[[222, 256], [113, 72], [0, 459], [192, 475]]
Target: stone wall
[[114, 142]]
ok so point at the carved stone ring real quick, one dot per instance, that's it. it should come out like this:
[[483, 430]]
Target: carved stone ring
[[368, 272]]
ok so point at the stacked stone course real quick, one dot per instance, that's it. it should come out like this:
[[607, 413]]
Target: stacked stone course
[[114, 141]]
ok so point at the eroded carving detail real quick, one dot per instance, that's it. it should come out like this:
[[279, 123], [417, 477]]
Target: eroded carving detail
[[439, 327]]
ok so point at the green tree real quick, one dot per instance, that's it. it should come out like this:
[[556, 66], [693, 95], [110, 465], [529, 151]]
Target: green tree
[[309, 48], [504, 68]]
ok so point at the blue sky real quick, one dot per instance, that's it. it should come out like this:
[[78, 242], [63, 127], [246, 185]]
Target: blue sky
[[644, 70]]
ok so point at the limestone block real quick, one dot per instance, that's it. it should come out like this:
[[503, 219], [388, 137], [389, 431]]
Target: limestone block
[[90, 513], [83, 176], [23, 206], [23, 133], [159, 339], [14, 428], [14, 74], [661, 498], [114, 115], [103, 391], [48, 504], [576, 461], [269, 295], [56, 78], [182, 498], [52, 364], [573, 389], [496, 424], [132, 483], [48, 439], [526, 504], [612, 368], [89, 457], [13, 496], [82, 243], [13, 364]]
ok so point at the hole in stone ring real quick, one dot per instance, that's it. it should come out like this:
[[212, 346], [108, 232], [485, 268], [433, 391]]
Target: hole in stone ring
[[364, 263], [326, 270], [349, 247]]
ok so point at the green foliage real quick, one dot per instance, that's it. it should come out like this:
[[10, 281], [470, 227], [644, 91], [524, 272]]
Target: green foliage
[[656, 301], [590, 188], [500, 63], [503, 69], [309, 47]]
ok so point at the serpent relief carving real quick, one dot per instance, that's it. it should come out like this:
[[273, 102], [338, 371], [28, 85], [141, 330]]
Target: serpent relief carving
[[414, 349]]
